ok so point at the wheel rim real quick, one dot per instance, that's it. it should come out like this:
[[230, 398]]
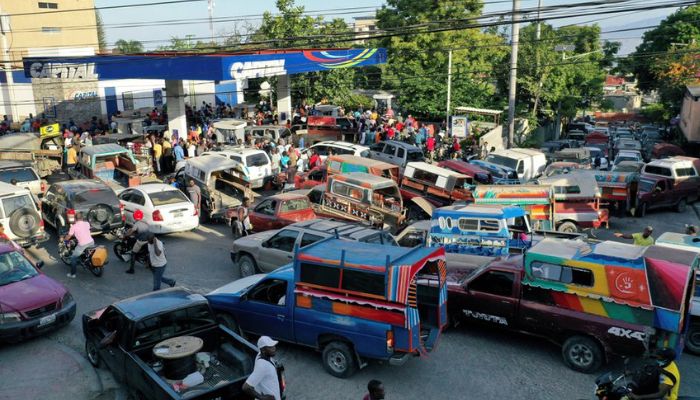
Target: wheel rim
[[246, 267], [581, 355], [337, 361], [92, 353]]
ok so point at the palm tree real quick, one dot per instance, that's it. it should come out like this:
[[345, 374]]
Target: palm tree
[[128, 46]]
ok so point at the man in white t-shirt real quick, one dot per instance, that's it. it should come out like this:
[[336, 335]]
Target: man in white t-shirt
[[263, 383]]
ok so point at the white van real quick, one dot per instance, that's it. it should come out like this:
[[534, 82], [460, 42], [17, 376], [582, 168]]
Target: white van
[[527, 163], [20, 216], [256, 162], [24, 175]]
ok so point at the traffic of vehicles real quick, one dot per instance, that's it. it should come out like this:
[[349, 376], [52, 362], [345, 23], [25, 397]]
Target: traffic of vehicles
[[373, 257]]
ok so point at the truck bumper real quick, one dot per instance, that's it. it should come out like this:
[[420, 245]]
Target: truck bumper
[[399, 358], [32, 241]]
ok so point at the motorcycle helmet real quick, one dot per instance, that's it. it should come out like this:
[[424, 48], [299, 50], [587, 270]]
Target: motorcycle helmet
[[138, 215]]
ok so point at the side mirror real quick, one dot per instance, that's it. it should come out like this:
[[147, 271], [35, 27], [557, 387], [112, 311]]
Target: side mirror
[[265, 244], [108, 340], [39, 264]]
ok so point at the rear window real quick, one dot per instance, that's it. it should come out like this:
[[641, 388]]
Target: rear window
[[414, 156], [167, 197], [94, 196], [12, 204], [656, 170], [295, 205], [256, 160], [19, 174]]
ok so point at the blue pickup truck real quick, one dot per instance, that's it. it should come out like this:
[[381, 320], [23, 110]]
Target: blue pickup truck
[[351, 301]]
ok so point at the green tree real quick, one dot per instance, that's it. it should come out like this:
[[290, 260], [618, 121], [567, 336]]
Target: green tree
[[101, 36], [673, 34], [128, 46], [416, 69]]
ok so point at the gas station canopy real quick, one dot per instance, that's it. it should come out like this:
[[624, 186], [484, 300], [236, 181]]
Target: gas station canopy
[[209, 67]]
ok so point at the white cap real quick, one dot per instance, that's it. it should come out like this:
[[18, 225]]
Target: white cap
[[266, 341]]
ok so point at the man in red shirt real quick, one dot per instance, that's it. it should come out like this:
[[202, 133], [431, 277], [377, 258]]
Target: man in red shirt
[[430, 145]]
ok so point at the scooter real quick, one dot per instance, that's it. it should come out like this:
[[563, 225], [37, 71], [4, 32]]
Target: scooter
[[93, 259], [124, 244]]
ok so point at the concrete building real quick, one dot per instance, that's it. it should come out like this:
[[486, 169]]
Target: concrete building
[[363, 27], [690, 114], [60, 92], [623, 93]]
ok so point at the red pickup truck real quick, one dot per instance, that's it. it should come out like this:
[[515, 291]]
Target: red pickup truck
[[593, 300]]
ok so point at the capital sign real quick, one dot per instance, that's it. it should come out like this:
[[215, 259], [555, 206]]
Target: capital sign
[[62, 70], [257, 69]]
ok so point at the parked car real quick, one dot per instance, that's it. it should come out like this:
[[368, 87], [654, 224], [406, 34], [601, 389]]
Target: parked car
[[280, 210], [350, 301], [269, 250], [671, 182], [439, 186], [20, 216], [165, 208], [395, 152], [129, 338], [581, 156], [475, 175], [256, 162], [223, 183], [569, 292], [95, 200], [23, 175], [338, 164], [628, 155], [31, 303], [326, 127], [326, 148], [271, 132], [527, 163]]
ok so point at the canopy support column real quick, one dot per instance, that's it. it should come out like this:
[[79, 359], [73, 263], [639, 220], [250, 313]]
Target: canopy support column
[[284, 99], [177, 118]]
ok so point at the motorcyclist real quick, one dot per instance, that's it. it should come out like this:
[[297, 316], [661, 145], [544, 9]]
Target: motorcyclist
[[81, 231], [669, 377], [140, 229]]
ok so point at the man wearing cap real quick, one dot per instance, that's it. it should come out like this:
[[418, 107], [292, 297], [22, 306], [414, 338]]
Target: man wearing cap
[[156, 253], [640, 239], [264, 383]]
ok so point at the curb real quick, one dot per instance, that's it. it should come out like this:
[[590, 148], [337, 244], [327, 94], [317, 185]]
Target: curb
[[95, 383]]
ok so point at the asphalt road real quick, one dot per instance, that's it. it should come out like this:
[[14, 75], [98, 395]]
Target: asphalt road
[[469, 363]]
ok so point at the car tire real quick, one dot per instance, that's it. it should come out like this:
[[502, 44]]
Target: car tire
[[681, 206], [582, 354], [339, 360], [92, 353], [246, 265], [692, 342], [568, 227]]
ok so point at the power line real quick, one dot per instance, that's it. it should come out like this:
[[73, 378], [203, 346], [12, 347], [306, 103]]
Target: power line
[[133, 5]]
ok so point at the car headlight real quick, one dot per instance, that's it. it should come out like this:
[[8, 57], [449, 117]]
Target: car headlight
[[67, 299], [10, 317]]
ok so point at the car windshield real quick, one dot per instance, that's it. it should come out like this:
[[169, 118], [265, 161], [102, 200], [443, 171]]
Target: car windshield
[[504, 161], [256, 160], [94, 196], [11, 204], [14, 268], [646, 185], [295, 205], [18, 174], [620, 159], [167, 197]]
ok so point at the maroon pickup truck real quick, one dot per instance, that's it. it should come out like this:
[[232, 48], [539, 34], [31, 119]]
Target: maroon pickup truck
[[669, 183], [538, 296]]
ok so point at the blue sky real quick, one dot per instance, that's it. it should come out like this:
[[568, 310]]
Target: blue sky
[[192, 17]]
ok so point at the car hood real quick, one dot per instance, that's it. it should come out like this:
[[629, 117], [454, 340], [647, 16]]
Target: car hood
[[237, 286], [30, 293], [254, 240]]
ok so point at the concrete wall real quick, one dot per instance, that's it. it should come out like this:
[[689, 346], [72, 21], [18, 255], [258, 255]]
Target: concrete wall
[[494, 138], [690, 118]]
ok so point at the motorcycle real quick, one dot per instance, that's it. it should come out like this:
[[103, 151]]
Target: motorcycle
[[124, 244], [93, 258], [609, 387]]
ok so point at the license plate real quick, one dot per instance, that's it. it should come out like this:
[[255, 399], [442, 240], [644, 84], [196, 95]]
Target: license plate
[[177, 215], [49, 319]]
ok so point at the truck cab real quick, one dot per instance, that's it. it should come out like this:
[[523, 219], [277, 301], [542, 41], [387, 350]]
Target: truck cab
[[111, 163], [439, 186], [671, 182], [389, 304]]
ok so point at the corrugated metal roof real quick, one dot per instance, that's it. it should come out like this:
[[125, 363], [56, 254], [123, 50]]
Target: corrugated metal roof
[[694, 90], [484, 111]]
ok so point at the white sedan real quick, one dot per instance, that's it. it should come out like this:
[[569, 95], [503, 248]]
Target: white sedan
[[165, 208]]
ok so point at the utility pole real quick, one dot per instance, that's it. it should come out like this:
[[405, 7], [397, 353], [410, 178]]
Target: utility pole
[[449, 86], [514, 38], [210, 7], [538, 32]]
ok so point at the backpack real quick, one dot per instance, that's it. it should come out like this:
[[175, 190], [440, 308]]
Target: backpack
[[646, 379]]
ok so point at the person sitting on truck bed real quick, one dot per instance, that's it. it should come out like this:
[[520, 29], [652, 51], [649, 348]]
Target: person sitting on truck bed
[[640, 239]]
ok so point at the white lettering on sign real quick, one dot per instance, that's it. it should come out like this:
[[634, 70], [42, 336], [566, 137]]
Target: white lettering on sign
[[486, 317], [626, 333], [77, 96], [62, 70], [257, 69]]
